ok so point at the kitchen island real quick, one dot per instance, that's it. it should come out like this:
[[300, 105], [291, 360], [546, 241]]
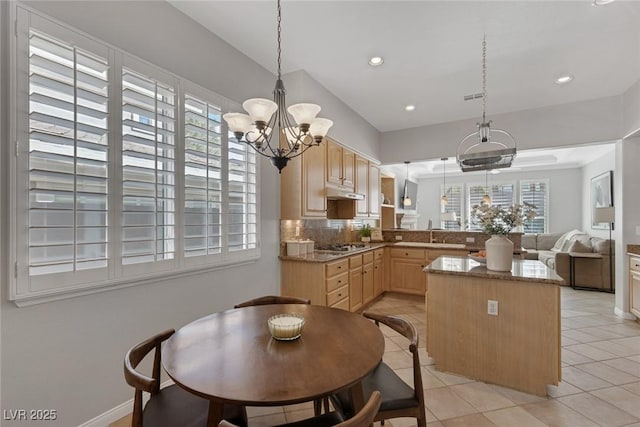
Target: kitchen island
[[519, 346]]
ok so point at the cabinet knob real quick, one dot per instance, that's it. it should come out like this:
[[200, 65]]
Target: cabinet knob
[[406, 253], [339, 295], [339, 281], [339, 267]]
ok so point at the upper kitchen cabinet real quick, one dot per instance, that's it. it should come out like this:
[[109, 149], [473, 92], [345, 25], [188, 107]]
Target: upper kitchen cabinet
[[367, 183], [340, 166], [302, 186], [374, 190]]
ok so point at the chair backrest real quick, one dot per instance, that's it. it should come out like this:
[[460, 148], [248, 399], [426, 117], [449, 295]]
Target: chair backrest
[[409, 331], [272, 299], [139, 381], [365, 416]]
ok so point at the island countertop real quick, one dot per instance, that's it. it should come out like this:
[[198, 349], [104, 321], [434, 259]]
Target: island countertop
[[523, 270]]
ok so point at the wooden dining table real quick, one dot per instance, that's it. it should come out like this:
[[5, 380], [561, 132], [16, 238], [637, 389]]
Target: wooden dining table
[[231, 358]]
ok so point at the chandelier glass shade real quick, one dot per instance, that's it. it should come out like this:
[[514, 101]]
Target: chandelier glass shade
[[486, 199], [263, 115], [406, 201], [486, 148], [444, 199]]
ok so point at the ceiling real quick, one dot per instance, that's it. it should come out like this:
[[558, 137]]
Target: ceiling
[[433, 51]]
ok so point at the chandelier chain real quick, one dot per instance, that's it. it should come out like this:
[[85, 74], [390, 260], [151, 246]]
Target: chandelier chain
[[279, 38], [484, 77]]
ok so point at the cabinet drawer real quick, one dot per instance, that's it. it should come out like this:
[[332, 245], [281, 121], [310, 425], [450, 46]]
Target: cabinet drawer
[[408, 253], [367, 257], [337, 267], [355, 261], [337, 295], [378, 253], [337, 281], [634, 263], [343, 305]]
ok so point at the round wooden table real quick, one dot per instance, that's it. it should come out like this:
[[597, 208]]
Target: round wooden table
[[230, 357]]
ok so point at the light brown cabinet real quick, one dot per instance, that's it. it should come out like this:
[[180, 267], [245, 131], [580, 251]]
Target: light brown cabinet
[[302, 186], [340, 165], [355, 283], [388, 210], [367, 183], [367, 278], [634, 284], [324, 284], [374, 190]]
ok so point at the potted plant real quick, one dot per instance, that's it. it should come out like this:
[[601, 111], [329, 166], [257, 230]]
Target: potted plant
[[365, 233]]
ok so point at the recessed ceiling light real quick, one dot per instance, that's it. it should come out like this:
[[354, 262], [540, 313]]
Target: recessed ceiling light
[[409, 108], [601, 2], [564, 79], [376, 61]]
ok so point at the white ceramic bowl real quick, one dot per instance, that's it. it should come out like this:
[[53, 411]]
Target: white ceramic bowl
[[474, 256], [286, 326]]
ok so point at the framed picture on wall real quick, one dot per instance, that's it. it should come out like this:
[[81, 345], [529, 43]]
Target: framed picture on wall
[[601, 195]]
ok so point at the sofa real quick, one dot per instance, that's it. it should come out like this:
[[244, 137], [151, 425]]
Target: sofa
[[553, 250]]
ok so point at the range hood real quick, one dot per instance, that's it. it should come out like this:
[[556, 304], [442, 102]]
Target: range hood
[[337, 194], [486, 160]]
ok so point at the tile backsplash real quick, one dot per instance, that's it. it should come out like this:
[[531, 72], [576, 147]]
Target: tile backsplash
[[323, 231]]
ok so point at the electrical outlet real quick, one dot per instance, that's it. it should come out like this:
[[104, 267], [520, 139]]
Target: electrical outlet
[[471, 239], [492, 307], [398, 236], [297, 231]]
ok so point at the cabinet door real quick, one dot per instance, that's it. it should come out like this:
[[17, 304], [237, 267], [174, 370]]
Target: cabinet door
[[355, 289], [368, 292], [378, 277], [373, 192], [314, 201], [407, 276], [334, 163], [362, 186], [634, 284], [348, 169]]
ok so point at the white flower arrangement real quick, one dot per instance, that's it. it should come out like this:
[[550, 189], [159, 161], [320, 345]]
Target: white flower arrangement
[[496, 220]]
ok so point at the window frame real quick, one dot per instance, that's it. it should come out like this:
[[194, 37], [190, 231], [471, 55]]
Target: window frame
[[546, 215], [23, 289]]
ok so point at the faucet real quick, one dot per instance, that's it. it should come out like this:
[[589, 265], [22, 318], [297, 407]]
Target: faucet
[[430, 228]]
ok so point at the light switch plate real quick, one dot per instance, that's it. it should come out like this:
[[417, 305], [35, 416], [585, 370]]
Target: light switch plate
[[471, 239], [492, 307], [398, 236]]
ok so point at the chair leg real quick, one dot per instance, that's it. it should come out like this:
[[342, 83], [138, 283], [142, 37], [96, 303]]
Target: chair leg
[[317, 407]]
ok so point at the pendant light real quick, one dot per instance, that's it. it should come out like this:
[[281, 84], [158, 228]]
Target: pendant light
[[406, 201], [444, 199], [486, 148], [486, 199], [255, 128]]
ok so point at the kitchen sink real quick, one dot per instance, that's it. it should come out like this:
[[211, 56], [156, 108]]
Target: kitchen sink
[[432, 245]]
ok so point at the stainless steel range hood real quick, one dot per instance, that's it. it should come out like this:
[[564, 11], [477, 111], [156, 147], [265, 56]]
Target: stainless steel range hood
[[486, 160], [338, 194]]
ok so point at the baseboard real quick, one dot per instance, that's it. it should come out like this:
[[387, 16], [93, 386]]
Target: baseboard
[[624, 314], [122, 410]]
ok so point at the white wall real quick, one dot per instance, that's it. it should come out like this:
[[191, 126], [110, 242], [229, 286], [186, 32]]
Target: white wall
[[627, 214], [590, 170], [563, 197], [67, 355], [631, 118]]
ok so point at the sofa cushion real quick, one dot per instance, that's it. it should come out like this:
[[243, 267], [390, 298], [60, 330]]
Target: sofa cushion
[[528, 241], [563, 243], [578, 246], [548, 258], [545, 242]]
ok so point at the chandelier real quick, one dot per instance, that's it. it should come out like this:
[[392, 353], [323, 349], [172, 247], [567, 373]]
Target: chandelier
[[486, 148], [255, 128]]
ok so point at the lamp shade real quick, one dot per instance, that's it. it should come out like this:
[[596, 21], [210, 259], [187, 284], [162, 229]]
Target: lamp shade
[[304, 113], [237, 122], [605, 214], [320, 127], [449, 216], [260, 109]]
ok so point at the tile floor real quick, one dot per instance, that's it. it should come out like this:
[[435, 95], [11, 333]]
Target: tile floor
[[600, 370]]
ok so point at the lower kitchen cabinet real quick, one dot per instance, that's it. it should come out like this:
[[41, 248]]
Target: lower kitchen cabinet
[[634, 284], [324, 283], [367, 278], [406, 273], [355, 283]]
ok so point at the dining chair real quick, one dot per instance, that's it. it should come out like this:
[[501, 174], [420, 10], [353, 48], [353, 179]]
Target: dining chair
[[170, 406], [364, 418], [398, 398], [272, 299]]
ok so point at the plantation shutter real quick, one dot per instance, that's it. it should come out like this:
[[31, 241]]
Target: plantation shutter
[[68, 153], [242, 199], [203, 172], [536, 193], [148, 169], [501, 195], [454, 204]]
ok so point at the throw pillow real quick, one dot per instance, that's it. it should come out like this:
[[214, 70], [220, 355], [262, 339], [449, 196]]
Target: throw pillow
[[578, 246], [562, 241]]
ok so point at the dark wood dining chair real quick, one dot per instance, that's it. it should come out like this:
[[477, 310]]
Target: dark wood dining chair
[[170, 406], [398, 398], [272, 299], [364, 418]]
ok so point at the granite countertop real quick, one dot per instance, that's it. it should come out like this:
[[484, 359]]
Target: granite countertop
[[324, 256], [523, 270], [633, 249]]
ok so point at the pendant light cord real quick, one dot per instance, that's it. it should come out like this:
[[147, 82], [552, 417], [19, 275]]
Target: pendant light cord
[[484, 77]]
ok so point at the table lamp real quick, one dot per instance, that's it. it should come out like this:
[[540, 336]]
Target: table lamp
[[607, 214]]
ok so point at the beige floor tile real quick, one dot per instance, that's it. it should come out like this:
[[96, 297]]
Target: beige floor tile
[[260, 411], [572, 358], [601, 332], [598, 410], [623, 399], [434, 424], [583, 380], [626, 364], [475, 420], [298, 415], [516, 416], [400, 422], [429, 415], [298, 407], [633, 388], [267, 420], [590, 351], [579, 336], [567, 341], [562, 389], [608, 373], [397, 359], [444, 403], [517, 397], [448, 378], [481, 396], [390, 345], [614, 347], [406, 374], [122, 422], [634, 358], [429, 380], [425, 359], [554, 413]]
